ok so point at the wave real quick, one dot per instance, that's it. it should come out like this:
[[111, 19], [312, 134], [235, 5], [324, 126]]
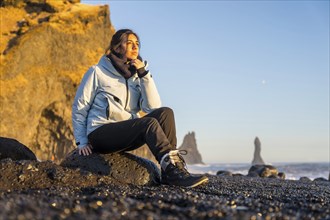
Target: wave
[[292, 171]]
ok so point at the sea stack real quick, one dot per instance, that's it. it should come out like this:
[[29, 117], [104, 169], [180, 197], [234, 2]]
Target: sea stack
[[189, 144], [257, 149]]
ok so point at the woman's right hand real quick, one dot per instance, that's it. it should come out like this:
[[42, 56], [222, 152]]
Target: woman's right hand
[[86, 150]]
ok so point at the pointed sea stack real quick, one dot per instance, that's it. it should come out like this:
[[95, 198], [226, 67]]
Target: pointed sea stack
[[189, 144], [257, 149]]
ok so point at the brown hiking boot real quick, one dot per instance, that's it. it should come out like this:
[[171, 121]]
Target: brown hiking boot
[[174, 171]]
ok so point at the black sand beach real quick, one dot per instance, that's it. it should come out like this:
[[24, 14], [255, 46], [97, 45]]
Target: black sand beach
[[34, 190]]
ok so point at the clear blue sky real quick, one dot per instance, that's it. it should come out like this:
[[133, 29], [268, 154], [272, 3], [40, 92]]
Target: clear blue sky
[[234, 70]]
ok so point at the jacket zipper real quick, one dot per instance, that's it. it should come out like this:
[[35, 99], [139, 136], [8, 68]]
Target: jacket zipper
[[126, 93]]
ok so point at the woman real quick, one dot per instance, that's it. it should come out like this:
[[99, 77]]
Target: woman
[[105, 111]]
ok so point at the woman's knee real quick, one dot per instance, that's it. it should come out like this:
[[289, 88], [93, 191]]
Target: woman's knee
[[166, 111]]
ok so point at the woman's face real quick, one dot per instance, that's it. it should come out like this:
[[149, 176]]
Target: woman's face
[[132, 47]]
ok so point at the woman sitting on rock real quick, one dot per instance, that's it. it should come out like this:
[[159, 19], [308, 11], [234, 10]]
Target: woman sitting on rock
[[105, 111]]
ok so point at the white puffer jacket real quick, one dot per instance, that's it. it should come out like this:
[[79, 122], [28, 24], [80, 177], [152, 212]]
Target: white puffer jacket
[[104, 96]]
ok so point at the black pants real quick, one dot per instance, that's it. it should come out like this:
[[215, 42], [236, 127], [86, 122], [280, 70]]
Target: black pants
[[156, 129]]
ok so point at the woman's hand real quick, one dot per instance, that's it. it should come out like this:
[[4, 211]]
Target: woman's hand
[[86, 150], [137, 63]]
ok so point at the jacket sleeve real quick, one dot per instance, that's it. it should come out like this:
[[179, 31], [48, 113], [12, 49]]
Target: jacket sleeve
[[150, 98], [81, 105]]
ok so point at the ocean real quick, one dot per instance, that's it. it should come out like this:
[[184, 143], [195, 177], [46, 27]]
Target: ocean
[[292, 171]]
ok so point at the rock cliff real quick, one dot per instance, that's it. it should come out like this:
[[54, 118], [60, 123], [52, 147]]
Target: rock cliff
[[46, 47], [189, 144]]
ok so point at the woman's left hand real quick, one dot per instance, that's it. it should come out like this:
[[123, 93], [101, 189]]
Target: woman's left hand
[[86, 150], [137, 63]]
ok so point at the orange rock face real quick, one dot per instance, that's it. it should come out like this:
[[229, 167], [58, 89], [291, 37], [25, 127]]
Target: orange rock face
[[46, 47]]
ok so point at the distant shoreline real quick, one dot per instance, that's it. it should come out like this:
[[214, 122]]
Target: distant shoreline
[[293, 170], [249, 163]]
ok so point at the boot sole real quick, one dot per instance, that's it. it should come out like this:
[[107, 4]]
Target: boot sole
[[205, 180]]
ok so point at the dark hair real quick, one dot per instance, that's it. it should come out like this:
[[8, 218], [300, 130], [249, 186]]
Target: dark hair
[[118, 39]]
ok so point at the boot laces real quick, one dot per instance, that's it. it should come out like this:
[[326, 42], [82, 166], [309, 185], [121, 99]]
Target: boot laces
[[176, 158]]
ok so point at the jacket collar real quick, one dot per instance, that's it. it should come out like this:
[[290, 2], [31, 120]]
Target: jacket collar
[[105, 62]]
